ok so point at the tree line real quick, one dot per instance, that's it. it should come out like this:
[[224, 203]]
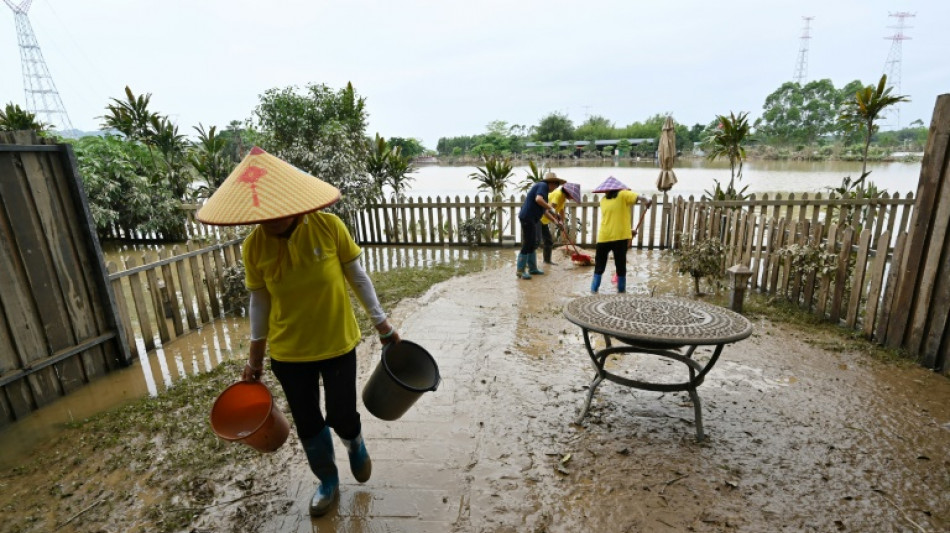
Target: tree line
[[797, 121]]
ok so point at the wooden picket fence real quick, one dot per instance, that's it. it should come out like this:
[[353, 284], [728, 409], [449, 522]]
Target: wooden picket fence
[[160, 297]]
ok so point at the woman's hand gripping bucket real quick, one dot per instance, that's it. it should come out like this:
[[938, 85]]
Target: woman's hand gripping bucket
[[404, 373], [246, 412]]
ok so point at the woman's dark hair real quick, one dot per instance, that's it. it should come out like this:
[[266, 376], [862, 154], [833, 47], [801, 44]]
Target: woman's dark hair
[[612, 194]]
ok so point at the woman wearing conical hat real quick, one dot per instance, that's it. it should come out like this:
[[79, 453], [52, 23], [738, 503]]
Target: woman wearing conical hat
[[558, 200], [615, 230], [298, 261]]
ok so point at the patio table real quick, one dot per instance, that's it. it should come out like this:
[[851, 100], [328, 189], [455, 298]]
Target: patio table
[[668, 327]]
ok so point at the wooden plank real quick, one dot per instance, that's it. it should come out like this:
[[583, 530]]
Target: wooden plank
[[890, 289], [935, 257], [82, 230], [413, 228], [171, 292], [841, 276], [803, 237], [928, 192], [211, 284], [858, 274], [824, 286], [198, 286], [776, 260], [187, 298], [155, 292], [138, 301], [876, 281], [125, 318], [812, 275], [43, 293], [937, 327], [433, 229]]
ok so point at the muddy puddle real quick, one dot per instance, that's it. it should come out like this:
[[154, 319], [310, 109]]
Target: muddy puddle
[[804, 432]]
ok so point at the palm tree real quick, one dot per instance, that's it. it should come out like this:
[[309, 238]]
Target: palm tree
[[535, 174], [130, 117], [864, 110], [14, 118], [398, 168], [376, 160], [210, 158], [726, 142]]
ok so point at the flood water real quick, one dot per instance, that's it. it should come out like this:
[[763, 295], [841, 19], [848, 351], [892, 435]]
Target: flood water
[[191, 354], [694, 176]]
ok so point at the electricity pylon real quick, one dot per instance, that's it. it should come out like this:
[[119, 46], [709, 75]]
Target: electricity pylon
[[892, 66], [42, 98], [801, 66]]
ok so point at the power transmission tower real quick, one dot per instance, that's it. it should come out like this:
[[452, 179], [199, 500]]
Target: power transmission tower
[[42, 98], [892, 67], [801, 66]]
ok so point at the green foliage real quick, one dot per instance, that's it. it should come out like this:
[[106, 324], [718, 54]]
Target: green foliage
[[234, 292], [727, 142], [534, 174], [493, 176], [476, 228], [861, 112], [410, 148], [210, 159], [388, 166], [320, 131], [13, 118], [699, 259], [555, 127], [595, 127], [116, 178], [807, 258]]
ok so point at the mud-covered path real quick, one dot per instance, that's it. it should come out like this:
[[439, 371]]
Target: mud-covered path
[[800, 435], [803, 433]]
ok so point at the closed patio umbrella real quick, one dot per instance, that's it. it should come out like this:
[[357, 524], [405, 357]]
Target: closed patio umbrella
[[667, 154]]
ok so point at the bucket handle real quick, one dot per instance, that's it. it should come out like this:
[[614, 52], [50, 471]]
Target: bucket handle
[[438, 375]]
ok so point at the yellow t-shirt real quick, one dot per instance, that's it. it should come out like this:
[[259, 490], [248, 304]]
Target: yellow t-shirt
[[557, 199], [615, 216], [311, 317]]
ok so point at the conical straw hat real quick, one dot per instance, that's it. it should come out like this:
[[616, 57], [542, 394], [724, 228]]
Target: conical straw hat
[[611, 184], [263, 187]]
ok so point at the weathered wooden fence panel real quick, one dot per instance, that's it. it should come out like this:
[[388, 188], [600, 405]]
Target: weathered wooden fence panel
[[58, 320]]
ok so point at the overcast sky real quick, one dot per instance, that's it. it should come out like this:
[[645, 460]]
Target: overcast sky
[[431, 69]]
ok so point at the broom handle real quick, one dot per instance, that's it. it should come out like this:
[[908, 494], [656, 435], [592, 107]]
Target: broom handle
[[643, 214]]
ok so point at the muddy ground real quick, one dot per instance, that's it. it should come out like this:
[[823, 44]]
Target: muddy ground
[[805, 431]]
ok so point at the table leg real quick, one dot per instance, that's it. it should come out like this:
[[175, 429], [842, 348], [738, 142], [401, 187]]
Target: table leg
[[590, 395], [698, 412]]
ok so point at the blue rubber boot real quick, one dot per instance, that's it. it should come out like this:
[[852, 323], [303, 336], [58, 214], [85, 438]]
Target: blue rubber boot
[[595, 283], [360, 463], [621, 284], [319, 450], [522, 263], [533, 265]]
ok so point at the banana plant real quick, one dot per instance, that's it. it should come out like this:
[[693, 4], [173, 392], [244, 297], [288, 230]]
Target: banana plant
[[14, 118]]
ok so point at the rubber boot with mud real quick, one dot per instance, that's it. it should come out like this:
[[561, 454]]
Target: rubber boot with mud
[[523, 267], [547, 255], [595, 283], [621, 284], [533, 265], [360, 464], [319, 450]]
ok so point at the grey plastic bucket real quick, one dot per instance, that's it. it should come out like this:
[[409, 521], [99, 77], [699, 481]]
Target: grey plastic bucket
[[404, 373]]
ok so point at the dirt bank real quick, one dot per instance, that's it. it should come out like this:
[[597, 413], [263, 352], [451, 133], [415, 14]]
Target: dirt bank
[[805, 432]]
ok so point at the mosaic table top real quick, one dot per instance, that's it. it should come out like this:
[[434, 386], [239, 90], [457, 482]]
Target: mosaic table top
[[668, 321]]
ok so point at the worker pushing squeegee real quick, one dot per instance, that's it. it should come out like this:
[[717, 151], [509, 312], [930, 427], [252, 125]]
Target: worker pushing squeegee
[[616, 231]]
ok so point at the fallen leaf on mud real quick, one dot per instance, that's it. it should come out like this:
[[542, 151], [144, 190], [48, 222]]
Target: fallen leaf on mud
[[923, 458], [732, 484], [562, 470], [564, 460]]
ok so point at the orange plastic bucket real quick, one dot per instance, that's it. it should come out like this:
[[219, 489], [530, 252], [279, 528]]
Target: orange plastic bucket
[[246, 412]]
